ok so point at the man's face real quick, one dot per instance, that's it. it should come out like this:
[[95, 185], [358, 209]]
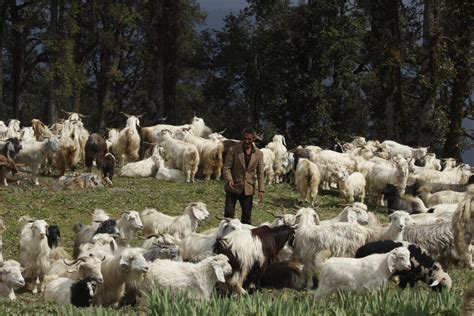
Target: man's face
[[248, 140]]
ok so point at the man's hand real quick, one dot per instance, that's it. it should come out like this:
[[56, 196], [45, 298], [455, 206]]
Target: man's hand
[[230, 183], [260, 196]]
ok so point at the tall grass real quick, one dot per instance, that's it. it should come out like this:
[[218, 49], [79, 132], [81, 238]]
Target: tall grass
[[386, 302]]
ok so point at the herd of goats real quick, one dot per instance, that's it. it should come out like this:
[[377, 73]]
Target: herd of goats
[[429, 201]]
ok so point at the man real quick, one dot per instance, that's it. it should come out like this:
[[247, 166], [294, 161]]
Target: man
[[241, 164]]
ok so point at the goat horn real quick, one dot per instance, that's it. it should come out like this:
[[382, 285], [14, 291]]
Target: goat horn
[[82, 115], [127, 115], [72, 263], [67, 112], [3, 214], [222, 132], [125, 212], [139, 116]]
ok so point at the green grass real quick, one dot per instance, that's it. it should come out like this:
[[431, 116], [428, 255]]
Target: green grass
[[64, 208]]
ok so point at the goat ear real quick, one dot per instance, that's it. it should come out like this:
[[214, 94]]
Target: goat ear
[[316, 219], [351, 216], [124, 264], [219, 273], [392, 258], [198, 213]]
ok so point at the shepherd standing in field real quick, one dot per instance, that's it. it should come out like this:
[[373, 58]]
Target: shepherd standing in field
[[241, 164]]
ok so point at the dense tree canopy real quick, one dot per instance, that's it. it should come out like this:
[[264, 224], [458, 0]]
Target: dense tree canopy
[[315, 71]]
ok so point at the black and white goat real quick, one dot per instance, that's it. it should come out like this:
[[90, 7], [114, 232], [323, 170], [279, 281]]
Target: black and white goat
[[250, 252], [423, 266], [68, 291]]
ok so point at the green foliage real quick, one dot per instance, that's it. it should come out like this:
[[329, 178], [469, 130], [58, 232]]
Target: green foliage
[[386, 302], [312, 71]]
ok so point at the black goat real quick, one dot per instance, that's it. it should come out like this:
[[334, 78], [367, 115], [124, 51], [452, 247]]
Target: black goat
[[53, 236], [423, 267], [10, 148], [83, 291], [286, 274], [408, 203]]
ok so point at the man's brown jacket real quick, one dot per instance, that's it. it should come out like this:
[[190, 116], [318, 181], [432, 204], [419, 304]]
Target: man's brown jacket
[[234, 169]]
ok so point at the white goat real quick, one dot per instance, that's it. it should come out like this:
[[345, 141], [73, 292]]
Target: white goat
[[197, 280], [307, 179], [143, 168], [342, 239], [406, 152], [10, 278], [210, 153], [179, 227], [357, 275], [456, 176], [181, 155], [127, 143], [128, 266], [277, 145], [382, 174], [329, 161], [355, 213], [85, 266], [168, 174], [13, 128], [195, 247], [113, 137], [128, 224], [34, 251], [268, 162], [440, 197], [33, 153], [351, 186]]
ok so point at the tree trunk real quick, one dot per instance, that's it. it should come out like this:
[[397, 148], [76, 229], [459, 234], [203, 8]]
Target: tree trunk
[[169, 57], [154, 67], [429, 66], [460, 28], [3, 15], [385, 54], [19, 33], [51, 112]]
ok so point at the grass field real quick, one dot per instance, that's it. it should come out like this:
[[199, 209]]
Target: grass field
[[64, 208]]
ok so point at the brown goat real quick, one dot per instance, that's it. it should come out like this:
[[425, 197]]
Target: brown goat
[[6, 165], [96, 149]]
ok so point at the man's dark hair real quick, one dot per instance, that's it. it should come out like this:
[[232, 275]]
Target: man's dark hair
[[249, 130]]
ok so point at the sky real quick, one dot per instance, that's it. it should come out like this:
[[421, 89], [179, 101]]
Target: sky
[[216, 11]]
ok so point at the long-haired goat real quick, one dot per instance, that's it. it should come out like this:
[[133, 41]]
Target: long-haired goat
[[127, 266], [34, 251], [155, 222], [250, 252], [196, 247]]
